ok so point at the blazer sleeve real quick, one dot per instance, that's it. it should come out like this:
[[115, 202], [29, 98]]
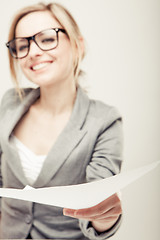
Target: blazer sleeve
[[106, 161]]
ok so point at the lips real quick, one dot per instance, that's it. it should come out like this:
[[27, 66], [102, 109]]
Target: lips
[[41, 65]]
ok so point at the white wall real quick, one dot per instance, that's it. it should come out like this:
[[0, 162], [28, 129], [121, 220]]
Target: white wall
[[122, 69]]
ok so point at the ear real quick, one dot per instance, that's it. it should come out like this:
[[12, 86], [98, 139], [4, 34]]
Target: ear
[[82, 46]]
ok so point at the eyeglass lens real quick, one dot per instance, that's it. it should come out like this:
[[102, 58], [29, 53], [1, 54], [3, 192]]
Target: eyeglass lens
[[45, 40]]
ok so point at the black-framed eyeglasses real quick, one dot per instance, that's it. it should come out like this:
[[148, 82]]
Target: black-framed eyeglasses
[[46, 40]]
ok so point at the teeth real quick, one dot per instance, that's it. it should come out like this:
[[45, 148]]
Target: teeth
[[39, 66]]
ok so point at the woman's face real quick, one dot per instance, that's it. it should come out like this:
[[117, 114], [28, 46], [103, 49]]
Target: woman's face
[[45, 68]]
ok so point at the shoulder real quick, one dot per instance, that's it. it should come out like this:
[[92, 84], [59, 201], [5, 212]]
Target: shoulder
[[96, 108], [11, 98], [98, 112], [103, 112]]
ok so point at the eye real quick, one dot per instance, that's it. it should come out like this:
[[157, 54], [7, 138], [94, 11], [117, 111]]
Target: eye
[[22, 48], [21, 45], [48, 40]]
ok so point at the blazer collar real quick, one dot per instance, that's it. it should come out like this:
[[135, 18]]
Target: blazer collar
[[70, 136], [13, 115]]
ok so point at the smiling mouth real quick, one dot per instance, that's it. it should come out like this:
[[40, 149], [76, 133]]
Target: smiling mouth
[[40, 66]]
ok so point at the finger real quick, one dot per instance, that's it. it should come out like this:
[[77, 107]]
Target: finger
[[110, 215], [69, 212], [100, 208], [111, 205]]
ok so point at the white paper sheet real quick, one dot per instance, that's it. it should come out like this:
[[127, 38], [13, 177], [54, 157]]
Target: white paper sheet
[[78, 196]]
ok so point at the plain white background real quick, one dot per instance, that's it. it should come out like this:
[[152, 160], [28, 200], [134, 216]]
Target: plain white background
[[122, 69]]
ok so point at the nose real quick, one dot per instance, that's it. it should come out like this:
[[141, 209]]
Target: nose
[[34, 50]]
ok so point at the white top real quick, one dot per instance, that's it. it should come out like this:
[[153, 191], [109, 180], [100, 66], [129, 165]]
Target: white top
[[31, 163]]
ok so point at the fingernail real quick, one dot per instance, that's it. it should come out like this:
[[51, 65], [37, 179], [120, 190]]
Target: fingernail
[[67, 212]]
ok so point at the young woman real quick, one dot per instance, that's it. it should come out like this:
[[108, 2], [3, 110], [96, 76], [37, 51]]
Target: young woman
[[54, 134]]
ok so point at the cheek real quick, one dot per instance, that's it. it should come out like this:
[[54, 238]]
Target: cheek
[[68, 59], [23, 68], [64, 61], [65, 53], [22, 64], [68, 63]]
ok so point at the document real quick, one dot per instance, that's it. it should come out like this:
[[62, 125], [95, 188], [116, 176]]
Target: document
[[78, 196]]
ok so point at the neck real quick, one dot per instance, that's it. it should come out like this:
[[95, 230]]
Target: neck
[[57, 99]]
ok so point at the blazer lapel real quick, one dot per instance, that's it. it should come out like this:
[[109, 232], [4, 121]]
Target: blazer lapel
[[11, 117], [72, 134]]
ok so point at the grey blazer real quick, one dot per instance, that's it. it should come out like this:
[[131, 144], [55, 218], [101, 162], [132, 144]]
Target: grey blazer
[[89, 148]]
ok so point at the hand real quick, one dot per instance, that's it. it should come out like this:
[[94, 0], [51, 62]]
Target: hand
[[102, 216]]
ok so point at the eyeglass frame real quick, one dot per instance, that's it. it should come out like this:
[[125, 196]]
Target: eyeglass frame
[[57, 30]]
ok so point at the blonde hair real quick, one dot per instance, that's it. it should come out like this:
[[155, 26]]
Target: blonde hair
[[66, 20]]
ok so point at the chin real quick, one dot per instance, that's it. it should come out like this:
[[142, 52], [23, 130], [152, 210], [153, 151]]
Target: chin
[[45, 83]]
